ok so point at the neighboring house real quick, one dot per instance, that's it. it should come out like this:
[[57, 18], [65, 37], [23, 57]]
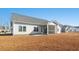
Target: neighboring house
[[68, 28], [2, 29], [21, 24], [7, 30], [77, 28], [64, 28]]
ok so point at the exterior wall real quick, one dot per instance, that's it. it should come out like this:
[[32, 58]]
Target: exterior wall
[[51, 29], [58, 29], [29, 29]]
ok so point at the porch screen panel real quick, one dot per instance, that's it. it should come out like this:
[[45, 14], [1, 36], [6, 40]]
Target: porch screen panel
[[51, 29]]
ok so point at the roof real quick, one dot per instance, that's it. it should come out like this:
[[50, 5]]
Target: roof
[[17, 18], [57, 23]]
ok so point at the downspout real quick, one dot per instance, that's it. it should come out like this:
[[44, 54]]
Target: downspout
[[55, 29]]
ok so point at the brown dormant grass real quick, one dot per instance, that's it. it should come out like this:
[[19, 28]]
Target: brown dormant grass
[[57, 42]]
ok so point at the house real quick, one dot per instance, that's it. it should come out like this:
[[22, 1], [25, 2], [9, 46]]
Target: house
[[21, 24], [2, 29], [76, 28], [58, 26], [68, 28]]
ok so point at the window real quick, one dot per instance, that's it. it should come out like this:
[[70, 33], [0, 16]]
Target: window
[[24, 28], [36, 29], [20, 28]]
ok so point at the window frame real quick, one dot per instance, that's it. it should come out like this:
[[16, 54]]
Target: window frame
[[36, 29], [20, 29], [24, 28]]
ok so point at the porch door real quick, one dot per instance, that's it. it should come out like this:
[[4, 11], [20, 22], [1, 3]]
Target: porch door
[[45, 30], [51, 29]]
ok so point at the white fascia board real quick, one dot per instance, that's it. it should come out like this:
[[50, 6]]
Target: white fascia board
[[51, 23]]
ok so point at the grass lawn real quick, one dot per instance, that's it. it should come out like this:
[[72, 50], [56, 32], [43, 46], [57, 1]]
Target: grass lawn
[[57, 42]]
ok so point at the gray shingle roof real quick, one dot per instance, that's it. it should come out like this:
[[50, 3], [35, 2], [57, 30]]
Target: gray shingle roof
[[17, 18]]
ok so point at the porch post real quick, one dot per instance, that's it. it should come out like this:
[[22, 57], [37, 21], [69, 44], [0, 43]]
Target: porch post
[[47, 29], [55, 29]]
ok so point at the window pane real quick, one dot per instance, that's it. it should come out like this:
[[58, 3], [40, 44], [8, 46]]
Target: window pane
[[20, 28], [36, 29], [24, 28]]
